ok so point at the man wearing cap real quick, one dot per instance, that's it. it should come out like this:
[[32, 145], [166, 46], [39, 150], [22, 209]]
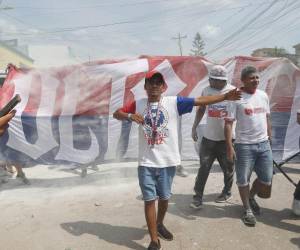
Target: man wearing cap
[[213, 144], [158, 119], [252, 149]]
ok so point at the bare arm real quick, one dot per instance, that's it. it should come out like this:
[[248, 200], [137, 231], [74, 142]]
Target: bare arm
[[120, 115], [4, 121], [199, 115], [228, 138], [231, 95]]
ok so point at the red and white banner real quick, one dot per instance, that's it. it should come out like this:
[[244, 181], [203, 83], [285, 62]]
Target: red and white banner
[[66, 113]]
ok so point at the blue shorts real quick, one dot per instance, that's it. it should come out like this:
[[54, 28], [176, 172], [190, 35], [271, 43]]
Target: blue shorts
[[257, 157], [156, 182]]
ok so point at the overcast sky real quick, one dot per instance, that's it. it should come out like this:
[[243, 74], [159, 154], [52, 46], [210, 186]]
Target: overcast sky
[[124, 28]]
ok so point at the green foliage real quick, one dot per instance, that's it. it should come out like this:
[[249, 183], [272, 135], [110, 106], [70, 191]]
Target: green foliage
[[198, 46]]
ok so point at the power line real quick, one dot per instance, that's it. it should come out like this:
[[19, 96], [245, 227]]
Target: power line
[[241, 29]]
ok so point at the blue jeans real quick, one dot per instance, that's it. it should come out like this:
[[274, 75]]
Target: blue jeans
[[156, 182], [257, 157]]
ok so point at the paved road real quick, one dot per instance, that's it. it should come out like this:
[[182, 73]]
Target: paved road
[[61, 210]]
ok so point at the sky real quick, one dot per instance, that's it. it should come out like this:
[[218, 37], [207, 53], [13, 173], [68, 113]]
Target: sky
[[105, 29]]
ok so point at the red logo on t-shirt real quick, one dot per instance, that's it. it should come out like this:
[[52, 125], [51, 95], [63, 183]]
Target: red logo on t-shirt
[[254, 111], [249, 111]]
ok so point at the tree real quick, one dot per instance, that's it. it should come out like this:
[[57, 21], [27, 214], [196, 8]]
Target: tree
[[198, 46]]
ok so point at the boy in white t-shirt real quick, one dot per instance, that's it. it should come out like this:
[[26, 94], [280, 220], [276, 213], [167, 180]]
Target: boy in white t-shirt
[[158, 117], [213, 145], [252, 149]]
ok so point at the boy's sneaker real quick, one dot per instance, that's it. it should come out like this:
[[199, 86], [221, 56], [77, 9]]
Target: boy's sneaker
[[164, 233], [254, 206], [197, 202], [249, 218], [154, 245], [223, 197]]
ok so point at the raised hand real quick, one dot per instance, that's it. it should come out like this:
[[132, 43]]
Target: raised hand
[[234, 94]]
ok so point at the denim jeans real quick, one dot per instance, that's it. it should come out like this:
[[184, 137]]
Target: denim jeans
[[257, 157], [209, 152], [156, 182]]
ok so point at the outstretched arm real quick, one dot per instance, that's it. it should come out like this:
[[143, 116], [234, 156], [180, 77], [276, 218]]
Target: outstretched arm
[[232, 95]]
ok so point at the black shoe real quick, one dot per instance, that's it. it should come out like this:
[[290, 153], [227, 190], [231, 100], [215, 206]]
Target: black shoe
[[154, 245], [249, 218], [164, 233], [254, 206], [197, 202]]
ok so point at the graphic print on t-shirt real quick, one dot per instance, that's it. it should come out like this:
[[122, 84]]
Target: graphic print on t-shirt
[[155, 128], [252, 111], [217, 110]]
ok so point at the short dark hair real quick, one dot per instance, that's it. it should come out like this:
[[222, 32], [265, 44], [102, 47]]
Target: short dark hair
[[155, 76], [247, 71]]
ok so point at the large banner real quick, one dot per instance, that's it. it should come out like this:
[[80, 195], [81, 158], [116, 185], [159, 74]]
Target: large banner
[[66, 113]]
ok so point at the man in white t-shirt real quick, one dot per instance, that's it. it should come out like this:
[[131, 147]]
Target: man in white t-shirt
[[158, 117], [252, 149], [213, 145]]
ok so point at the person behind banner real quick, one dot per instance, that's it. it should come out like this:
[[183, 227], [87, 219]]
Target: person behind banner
[[213, 145], [158, 119], [252, 148]]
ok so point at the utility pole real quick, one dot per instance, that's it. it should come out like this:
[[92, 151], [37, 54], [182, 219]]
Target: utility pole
[[179, 37]]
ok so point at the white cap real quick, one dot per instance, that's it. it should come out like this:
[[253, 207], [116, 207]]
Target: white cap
[[218, 72]]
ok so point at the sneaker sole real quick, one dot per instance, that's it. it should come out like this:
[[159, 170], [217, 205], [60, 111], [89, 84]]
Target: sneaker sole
[[249, 223], [160, 236], [223, 201], [195, 207]]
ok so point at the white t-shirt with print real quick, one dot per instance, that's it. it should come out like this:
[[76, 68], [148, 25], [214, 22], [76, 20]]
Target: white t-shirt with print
[[250, 115], [214, 128], [165, 150]]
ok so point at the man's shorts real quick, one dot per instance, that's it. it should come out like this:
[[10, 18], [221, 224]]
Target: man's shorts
[[257, 157], [156, 182]]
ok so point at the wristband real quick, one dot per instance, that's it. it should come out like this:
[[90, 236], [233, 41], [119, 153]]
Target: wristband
[[129, 117]]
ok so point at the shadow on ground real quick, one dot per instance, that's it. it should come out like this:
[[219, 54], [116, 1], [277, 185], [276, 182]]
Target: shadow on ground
[[118, 235], [179, 206]]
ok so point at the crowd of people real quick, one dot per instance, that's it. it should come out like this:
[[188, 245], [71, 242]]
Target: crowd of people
[[237, 134]]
